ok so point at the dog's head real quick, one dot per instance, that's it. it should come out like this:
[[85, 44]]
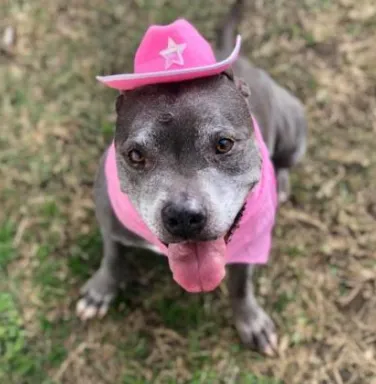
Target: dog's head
[[187, 156]]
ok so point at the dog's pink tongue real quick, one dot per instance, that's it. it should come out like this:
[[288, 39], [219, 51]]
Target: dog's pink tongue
[[198, 266]]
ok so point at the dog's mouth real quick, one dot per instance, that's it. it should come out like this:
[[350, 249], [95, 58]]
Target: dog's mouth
[[200, 266]]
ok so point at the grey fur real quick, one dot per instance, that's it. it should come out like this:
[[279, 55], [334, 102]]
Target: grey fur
[[176, 125], [181, 158]]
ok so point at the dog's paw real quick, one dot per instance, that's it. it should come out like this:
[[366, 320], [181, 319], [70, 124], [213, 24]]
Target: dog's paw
[[96, 296], [92, 305], [257, 331]]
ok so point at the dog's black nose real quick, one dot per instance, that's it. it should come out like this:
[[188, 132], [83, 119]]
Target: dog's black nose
[[183, 220]]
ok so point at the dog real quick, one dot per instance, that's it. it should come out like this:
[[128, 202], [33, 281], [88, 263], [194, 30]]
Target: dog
[[186, 155]]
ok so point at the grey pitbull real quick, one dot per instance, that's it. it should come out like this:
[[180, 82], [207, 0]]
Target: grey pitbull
[[151, 119]]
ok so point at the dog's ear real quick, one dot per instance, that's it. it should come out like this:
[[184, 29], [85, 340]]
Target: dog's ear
[[119, 101], [240, 84], [242, 87], [229, 73]]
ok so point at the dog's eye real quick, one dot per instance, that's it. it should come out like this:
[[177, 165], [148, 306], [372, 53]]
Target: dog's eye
[[136, 157], [224, 145]]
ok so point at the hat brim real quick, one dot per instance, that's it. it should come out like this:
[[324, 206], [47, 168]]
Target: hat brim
[[130, 81]]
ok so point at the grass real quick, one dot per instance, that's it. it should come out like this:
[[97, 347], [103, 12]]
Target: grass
[[7, 252], [12, 339], [17, 361], [56, 120]]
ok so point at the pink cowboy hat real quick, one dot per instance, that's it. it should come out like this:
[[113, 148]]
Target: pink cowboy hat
[[170, 53]]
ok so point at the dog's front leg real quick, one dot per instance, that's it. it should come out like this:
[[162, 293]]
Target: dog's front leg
[[255, 328], [101, 288]]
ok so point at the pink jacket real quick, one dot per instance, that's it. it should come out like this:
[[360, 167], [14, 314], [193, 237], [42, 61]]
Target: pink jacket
[[250, 242]]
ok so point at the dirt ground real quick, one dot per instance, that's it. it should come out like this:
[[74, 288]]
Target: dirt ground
[[56, 119]]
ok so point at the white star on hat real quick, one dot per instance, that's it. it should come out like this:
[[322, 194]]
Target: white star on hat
[[173, 54]]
